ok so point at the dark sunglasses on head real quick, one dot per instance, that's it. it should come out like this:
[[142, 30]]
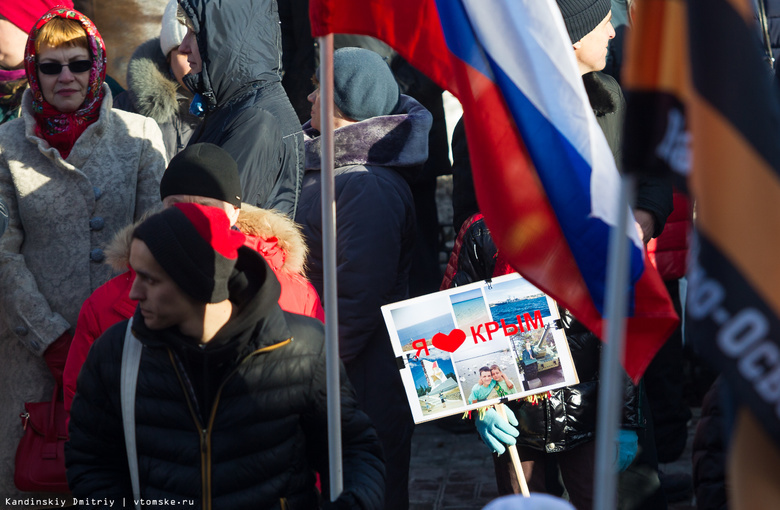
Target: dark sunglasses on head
[[79, 66]]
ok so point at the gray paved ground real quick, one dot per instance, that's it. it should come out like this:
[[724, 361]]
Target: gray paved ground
[[454, 471]]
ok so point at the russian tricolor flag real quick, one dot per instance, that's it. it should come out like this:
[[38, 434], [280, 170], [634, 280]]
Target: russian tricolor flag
[[544, 174]]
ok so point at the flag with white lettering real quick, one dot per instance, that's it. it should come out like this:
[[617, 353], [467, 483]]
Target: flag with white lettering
[[734, 291], [544, 175], [656, 83]]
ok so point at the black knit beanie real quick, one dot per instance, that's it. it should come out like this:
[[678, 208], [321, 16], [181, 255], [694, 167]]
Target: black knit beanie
[[195, 245], [582, 16], [203, 170], [363, 84]]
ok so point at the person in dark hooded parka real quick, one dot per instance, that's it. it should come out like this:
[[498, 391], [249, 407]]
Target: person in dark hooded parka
[[234, 50]]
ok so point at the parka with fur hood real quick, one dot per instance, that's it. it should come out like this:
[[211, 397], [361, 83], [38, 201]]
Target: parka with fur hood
[[272, 234], [247, 111], [153, 92]]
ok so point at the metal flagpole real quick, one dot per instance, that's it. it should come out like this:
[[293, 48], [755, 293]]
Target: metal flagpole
[[330, 297], [611, 375]]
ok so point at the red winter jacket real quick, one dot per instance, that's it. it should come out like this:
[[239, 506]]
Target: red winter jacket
[[273, 235], [669, 251]]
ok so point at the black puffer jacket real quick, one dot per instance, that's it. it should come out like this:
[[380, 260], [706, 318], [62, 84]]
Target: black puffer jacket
[[241, 423], [568, 417], [247, 111], [153, 92]]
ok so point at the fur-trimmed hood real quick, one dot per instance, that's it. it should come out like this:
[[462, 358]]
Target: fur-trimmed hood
[[603, 92], [271, 226], [153, 91], [399, 140]]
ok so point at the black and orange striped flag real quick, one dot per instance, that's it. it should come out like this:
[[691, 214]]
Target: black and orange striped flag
[[706, 67]]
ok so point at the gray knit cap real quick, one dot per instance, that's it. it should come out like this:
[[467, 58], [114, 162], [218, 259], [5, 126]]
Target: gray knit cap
[[582, 16], [363, 84]]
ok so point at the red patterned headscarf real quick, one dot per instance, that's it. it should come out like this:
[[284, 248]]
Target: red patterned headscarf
[[60, 129]]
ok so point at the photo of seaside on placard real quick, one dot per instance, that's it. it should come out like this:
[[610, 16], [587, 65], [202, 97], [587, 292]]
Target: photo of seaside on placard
[[470, 309], [435, 382], [415, 322], [509, 299]]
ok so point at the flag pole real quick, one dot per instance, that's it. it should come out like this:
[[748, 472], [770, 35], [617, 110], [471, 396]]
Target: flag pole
[[330, 294], [516, 463], [610, 380]]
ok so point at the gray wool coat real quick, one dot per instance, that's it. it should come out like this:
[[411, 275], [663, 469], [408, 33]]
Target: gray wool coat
[[61, 215]]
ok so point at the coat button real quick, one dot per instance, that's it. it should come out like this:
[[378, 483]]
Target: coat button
[[97, 223], [97, 191], [96, 255], [20, 330]]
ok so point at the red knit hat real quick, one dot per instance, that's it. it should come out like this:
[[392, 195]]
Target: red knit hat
[[196, 247], [24, 13]]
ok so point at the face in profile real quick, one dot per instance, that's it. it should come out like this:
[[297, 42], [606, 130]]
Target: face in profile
[[67, 89], [189, 47], [314, 99], [591, 50], [163, 304], [179, 65]]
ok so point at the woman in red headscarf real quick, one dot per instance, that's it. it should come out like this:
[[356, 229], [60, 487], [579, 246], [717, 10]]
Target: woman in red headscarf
[[72, 172]]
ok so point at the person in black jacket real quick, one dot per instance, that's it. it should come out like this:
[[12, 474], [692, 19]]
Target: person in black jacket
[[237, 82], [561, 429], [230, 405]]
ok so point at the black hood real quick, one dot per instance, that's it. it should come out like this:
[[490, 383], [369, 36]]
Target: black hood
[[240, 42]]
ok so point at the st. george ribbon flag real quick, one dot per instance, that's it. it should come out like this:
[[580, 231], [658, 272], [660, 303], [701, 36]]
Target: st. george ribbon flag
[[543, 172], [714, 117], [734, 278]]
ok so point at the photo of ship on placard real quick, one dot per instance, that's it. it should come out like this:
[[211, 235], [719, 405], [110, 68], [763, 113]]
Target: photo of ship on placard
[[471, 346]]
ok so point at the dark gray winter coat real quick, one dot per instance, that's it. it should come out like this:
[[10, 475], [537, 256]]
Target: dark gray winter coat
[[247, 111], [375, 235]]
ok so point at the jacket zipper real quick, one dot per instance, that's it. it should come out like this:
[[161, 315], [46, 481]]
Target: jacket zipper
[[205, 433]]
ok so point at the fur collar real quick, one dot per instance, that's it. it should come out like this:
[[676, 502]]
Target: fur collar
[[154, 93], [603, 92], [252, 221], [399, 140]]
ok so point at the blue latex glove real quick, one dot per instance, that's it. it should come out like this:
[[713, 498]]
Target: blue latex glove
[[627, 443], [495, 430]]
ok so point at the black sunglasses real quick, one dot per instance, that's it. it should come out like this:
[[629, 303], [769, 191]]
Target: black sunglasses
[[79, 66]]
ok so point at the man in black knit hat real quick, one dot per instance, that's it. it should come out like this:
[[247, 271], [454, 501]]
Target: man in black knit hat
[[557, 437], [230, 403]]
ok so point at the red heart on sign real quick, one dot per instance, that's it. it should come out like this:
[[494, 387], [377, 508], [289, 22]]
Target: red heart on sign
[[449, 343]]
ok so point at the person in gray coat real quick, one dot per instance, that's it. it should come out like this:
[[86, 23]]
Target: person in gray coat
[[72, 172]]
